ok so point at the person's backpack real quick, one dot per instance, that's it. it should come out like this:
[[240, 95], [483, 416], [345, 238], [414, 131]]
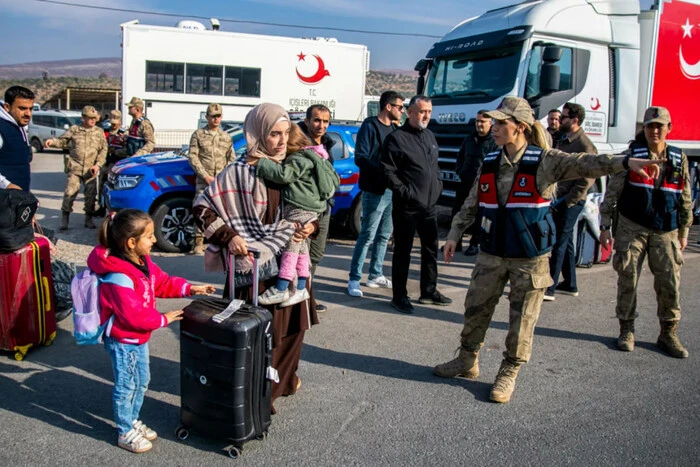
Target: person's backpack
[[85, 289], [17, 209]]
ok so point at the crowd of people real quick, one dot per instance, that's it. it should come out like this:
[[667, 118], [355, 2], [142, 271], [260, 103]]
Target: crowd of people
[[522, 188]]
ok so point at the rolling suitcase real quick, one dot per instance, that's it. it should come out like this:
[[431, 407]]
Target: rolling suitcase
[[27, 316], [586, 245], [225, 369]]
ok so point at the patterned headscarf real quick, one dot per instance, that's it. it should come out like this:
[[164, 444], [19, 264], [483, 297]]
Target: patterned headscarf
[[257, 126]]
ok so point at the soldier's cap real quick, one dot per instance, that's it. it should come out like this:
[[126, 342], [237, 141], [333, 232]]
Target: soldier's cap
[[90, 112], [657, 115], [115, 117], [214, 109], [135, 102], [513, 107]]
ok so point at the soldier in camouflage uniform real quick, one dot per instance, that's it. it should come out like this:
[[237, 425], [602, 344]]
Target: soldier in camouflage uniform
[[654, 218], [211, 149], [87, 153], [140, 138], [512, 197]]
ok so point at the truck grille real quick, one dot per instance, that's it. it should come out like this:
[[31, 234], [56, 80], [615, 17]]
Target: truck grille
[[449, 138]]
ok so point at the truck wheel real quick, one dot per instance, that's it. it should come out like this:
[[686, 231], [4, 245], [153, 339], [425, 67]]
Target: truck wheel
[[355, 216], [36, 145], [174, 225]]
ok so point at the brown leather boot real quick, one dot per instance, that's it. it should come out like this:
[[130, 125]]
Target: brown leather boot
[[504, 385], [625, 341], [466, 364], [668, 340], [64, 220], [198, 248], [89, 224]]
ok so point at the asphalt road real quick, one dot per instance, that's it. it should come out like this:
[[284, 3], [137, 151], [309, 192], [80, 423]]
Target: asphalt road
[[369, 396]]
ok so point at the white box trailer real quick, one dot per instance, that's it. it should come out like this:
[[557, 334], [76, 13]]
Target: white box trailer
[[177, 71]]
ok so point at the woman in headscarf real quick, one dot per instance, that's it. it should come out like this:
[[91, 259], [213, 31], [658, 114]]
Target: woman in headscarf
[[238, 211]]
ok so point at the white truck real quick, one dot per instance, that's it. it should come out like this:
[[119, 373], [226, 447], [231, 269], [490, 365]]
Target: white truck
[[178, 70], [606, 55]]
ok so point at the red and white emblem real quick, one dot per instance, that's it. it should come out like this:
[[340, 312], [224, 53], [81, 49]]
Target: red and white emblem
[[309, 77]]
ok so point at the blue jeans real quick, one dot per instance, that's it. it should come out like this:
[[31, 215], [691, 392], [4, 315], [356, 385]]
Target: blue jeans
[[563, 259], [375, 230], [132, 373]]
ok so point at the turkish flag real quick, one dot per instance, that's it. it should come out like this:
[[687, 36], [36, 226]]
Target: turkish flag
[[677, 72]]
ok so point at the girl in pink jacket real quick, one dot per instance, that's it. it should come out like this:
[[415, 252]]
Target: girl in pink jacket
[[129, 309]]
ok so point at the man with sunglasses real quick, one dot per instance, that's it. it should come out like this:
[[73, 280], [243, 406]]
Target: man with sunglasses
[[211, 149], [570, 199], [377, 225]]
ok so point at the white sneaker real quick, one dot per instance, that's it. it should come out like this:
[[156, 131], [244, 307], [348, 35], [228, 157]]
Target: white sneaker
[[299, 296], [273, 296], [354, 288], [379, 282], [147, 433], [134, 441]]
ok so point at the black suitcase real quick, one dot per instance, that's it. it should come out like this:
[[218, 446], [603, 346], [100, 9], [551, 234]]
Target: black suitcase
[[225, 372]]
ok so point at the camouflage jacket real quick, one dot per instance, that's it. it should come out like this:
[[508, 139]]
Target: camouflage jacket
[[210, 151], [554, 166], [87, 147]]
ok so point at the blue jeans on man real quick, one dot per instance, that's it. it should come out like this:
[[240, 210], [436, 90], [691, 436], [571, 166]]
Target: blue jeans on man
[[375, 230], [130, 365], [563, 259]]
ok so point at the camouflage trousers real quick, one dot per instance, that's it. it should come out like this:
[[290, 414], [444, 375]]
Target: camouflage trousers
[[200, 185], [73, 183], [528, 277], [632, 244]]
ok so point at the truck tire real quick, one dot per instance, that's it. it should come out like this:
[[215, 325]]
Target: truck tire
[[174, 225], [355, 216], [37, 146]]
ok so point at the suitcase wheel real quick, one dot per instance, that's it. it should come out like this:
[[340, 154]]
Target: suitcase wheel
[[182, 433], [234, 452], [50, 339], [262, 436], [19, 356], [21, 351]]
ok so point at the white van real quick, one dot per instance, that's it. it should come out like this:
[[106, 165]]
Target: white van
[[47, 124]]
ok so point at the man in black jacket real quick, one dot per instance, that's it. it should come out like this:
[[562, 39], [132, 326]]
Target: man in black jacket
[[469, 159], [318, 117], [376, 197], [410, 160]]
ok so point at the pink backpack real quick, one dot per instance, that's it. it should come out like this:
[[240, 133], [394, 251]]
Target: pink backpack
[[85, 289]]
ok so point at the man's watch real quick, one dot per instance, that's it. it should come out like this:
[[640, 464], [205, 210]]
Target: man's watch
[[604, 227]]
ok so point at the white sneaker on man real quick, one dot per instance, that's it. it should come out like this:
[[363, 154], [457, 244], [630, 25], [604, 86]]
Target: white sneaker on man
[[354, 289], [134, 441], [379, 282]]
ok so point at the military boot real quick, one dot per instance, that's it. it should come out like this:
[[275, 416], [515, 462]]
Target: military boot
[[89, 224], [668, 340], [64, 220], [626, 340], [505, 382], [466, 364], [198, 248]]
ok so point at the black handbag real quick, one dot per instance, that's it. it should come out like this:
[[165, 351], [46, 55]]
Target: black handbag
[[17, 209]]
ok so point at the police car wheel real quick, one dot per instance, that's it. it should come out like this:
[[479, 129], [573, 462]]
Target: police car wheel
[[174, 225], [355, 216]]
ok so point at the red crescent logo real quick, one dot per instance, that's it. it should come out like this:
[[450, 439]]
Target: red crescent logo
[[595, 103], [321, 72]]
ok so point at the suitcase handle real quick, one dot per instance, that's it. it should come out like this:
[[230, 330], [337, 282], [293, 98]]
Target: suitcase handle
[[47, 292], [255, 253]]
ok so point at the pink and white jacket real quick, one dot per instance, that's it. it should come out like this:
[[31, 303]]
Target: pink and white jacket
[[135, 313]]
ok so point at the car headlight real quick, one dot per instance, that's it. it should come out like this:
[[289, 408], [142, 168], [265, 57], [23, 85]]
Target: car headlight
[[126, 182]]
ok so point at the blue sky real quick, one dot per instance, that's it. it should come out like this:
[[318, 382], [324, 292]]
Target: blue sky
[[32, 31]]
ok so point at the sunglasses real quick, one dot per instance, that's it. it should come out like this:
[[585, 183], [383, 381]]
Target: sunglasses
[[398, 106]]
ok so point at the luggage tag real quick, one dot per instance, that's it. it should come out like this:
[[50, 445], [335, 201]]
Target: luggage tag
[[232, 307], [272, 374], [486, 224]]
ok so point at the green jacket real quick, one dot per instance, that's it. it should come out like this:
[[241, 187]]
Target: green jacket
[[310, 179]]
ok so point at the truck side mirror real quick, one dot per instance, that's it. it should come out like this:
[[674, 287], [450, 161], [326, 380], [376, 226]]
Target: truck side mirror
[[421, 67], [549, 78], [550, 73]]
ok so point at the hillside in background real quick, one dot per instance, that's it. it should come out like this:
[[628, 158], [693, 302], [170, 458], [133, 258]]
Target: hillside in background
[[47, 78]]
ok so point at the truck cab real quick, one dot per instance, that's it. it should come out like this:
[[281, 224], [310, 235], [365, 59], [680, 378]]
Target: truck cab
[[548, 52]]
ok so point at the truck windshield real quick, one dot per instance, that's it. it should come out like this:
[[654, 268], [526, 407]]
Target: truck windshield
[[484, 75]]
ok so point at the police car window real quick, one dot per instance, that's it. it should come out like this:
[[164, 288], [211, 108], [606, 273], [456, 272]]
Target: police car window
[[338, 149]]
